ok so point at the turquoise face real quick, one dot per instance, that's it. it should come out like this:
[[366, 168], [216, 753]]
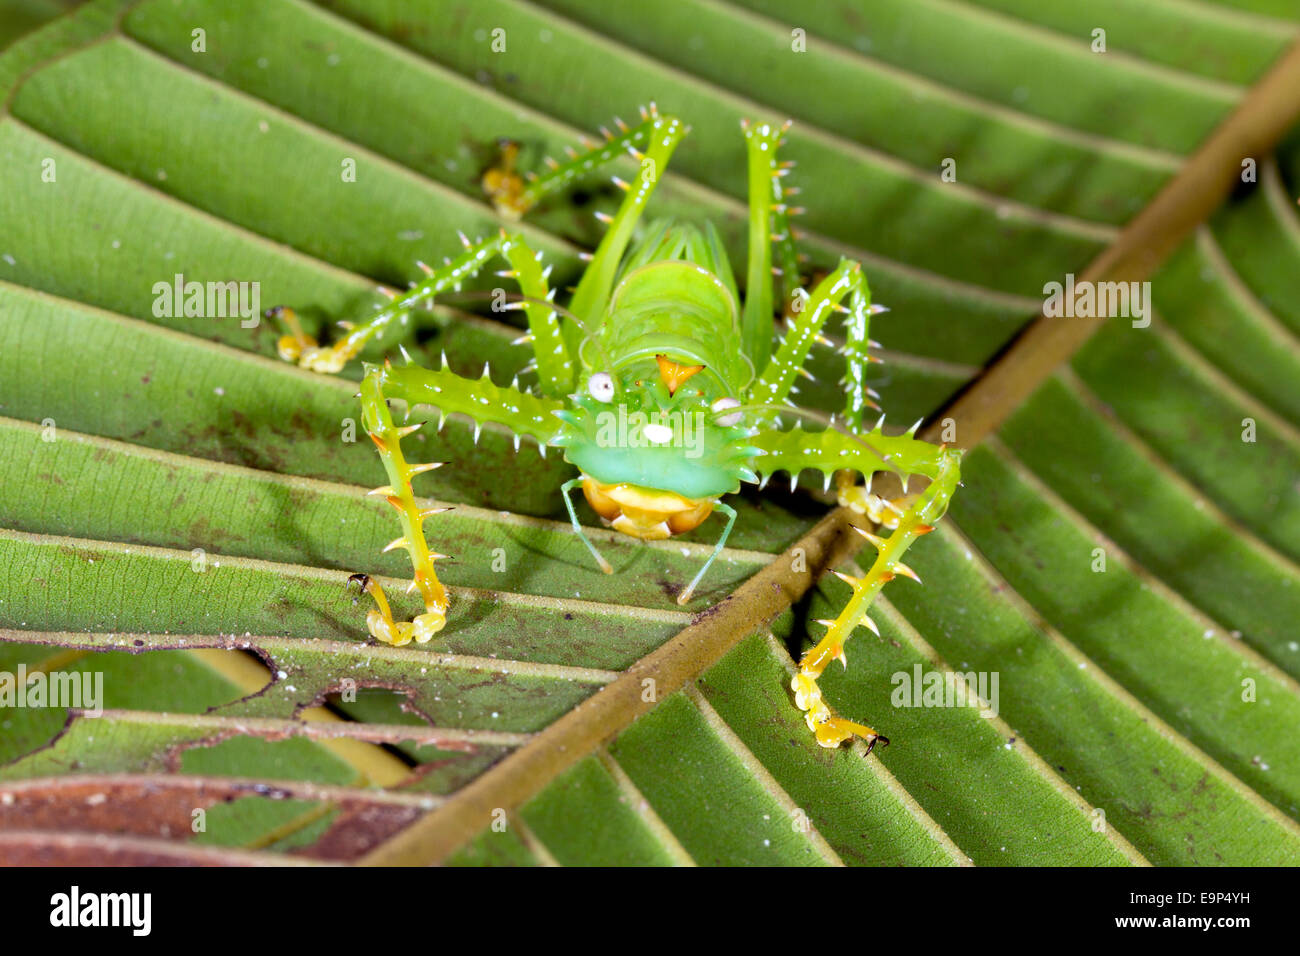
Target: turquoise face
[[645, 436]]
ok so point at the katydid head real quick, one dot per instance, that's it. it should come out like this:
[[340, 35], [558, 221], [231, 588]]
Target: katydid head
[[658, 423]]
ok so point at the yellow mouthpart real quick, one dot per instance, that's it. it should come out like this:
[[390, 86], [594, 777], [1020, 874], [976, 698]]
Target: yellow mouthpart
[[645, 513]]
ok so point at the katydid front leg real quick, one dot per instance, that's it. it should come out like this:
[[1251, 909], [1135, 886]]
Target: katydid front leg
[[836, 451], [483, 402]]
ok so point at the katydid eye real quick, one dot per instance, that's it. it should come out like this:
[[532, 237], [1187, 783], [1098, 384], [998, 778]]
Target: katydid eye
[[601, 387], [722, 405]]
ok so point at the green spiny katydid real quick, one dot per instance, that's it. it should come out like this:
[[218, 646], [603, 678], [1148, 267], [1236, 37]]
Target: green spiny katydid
[[660, 388]]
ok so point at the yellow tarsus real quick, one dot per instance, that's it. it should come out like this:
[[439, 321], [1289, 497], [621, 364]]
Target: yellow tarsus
[[382, 627], [504, 187], [304, 350], [292, 346], [859, 498], [830, 731]]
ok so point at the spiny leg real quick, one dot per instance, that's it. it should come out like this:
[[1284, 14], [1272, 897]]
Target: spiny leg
[[776, 383], [554, 366], [483, 401], [859, 396], [661, 135], [378, 422], [917, 520], [768, 226], [857, 357], [834, 450], [513, 195], [689, 591], [480, 400], [846, 455], [551, 356], [651, 143]]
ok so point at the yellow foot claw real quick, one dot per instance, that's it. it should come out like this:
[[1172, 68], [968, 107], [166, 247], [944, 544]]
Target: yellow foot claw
[[297, 342], [830, 731], [860, 500], [833, 731], [327, 360], [503, 186], [292, 347], [400, 633], [876, 509], [382, 627], [303, 349], [807, 695]]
